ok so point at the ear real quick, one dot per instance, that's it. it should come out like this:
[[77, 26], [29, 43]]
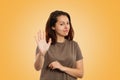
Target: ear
[[53, 28]]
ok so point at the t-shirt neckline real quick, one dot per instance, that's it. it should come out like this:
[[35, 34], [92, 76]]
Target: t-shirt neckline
[[61, 42]]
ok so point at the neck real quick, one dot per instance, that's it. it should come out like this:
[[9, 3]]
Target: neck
[[60, 39]]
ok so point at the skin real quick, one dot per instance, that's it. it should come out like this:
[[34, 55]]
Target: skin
[[61, 28]]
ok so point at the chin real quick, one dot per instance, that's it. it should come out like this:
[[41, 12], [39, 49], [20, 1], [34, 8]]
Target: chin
[[65, 35]]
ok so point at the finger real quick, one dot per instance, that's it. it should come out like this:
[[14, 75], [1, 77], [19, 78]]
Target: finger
[[53, 68], [36, 40], [50, 66], [50, 41], [44, 36], [38, 35]]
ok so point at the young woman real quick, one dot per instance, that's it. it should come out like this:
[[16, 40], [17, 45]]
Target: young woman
[[57, 55]]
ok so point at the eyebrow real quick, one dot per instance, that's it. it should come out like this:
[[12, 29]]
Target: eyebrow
[[64, 22]]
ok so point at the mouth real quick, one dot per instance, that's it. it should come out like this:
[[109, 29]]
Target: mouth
[[65, 30]]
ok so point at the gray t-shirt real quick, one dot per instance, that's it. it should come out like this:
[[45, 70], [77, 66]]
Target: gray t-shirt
[[67, 53]]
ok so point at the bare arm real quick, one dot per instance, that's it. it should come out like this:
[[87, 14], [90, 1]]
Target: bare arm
[[43, 47], [75, 72], [39, 60]]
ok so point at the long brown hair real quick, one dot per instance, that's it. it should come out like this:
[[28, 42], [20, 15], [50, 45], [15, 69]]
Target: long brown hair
[[50, 33]]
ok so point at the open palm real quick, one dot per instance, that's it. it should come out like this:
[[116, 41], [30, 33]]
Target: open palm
[[41, 42]]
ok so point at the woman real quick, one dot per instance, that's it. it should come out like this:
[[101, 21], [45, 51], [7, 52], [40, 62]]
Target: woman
[[57, 55]]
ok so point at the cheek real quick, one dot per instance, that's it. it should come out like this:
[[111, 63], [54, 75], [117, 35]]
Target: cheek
[[69, 27], [59, 28]]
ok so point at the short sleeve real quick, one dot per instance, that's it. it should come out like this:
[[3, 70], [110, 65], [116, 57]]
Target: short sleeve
[[78, 52], [37, 50]]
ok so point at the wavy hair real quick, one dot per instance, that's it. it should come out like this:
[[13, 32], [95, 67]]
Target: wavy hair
[[50, 33]]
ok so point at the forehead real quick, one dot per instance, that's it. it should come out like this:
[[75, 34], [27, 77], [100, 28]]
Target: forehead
[[62, 18]]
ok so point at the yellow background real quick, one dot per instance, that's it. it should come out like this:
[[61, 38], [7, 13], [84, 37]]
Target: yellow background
[[97, 28]]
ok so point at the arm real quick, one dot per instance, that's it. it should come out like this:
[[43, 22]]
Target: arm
[[39, 60], [75, 72], [41, 50]]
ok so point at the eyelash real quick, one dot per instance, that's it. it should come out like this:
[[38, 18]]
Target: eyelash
[[62, 24]]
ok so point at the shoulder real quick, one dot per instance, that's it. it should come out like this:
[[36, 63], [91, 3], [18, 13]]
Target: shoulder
[[72, 42]]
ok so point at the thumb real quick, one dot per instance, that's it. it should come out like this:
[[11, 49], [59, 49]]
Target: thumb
[[50, 41]]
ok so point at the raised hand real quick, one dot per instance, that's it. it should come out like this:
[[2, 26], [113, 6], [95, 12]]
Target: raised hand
[[41, 42]]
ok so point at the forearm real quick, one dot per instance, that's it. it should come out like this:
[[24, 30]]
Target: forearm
[[73, 71], [39, 62]]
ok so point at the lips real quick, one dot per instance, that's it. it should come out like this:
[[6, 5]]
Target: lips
[[65, 30]]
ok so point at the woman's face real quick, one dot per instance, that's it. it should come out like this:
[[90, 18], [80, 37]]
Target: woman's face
[[62, 26]]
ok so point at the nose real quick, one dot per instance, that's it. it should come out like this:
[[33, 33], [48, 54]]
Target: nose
[[66, 26]]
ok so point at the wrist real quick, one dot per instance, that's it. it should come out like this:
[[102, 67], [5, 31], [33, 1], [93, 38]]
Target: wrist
[[63, 68], [41, 54]]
